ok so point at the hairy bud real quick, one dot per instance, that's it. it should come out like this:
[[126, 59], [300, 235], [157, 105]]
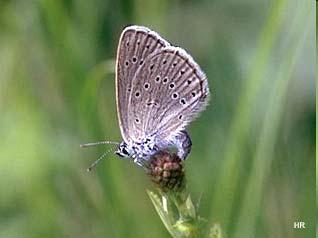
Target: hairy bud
[[167, 171]]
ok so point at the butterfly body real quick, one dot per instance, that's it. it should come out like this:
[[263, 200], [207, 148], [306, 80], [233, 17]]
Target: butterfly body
[[143, 150], [137, 150], [160, 89]]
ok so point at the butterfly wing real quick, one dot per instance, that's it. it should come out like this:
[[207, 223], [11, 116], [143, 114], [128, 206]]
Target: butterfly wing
[[135, 44], [174, 91]]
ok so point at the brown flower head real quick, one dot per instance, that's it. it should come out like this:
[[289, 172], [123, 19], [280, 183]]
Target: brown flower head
[[167, 171]]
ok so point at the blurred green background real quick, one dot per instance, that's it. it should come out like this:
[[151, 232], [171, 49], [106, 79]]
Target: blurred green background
[[253, 156]]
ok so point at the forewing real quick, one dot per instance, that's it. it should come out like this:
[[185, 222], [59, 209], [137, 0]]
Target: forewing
[[135, 44], [174, 91]]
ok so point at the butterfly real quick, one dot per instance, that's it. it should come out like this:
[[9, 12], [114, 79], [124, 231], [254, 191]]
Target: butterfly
[[160, 89]]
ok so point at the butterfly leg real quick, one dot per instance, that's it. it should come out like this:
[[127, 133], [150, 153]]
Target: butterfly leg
[[137, 160], [183, 144]]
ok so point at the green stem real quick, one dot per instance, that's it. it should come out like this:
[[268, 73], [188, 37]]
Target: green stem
[[177, 212]]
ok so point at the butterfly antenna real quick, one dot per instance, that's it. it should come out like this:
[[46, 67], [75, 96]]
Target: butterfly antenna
[[93, 165], [99, 143]]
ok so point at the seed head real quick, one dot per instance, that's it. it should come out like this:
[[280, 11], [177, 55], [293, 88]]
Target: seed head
[[166, 170]]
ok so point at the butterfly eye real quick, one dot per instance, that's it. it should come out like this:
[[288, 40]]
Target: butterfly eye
[[182, 72], [141, 62], [124, 151], [134, 59], [126, 63], [171, 86], [137, 94], [157, 79], [193, 94], [165, 80], [189, 81], [164, 62]]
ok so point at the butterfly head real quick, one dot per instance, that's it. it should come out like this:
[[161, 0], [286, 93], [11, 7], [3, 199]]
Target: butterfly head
[[123, 150]]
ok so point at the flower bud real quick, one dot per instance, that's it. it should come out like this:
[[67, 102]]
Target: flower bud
[[167, 171]]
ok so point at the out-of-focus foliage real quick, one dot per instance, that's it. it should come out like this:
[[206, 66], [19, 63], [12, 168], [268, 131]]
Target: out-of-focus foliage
[[253, 157]]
